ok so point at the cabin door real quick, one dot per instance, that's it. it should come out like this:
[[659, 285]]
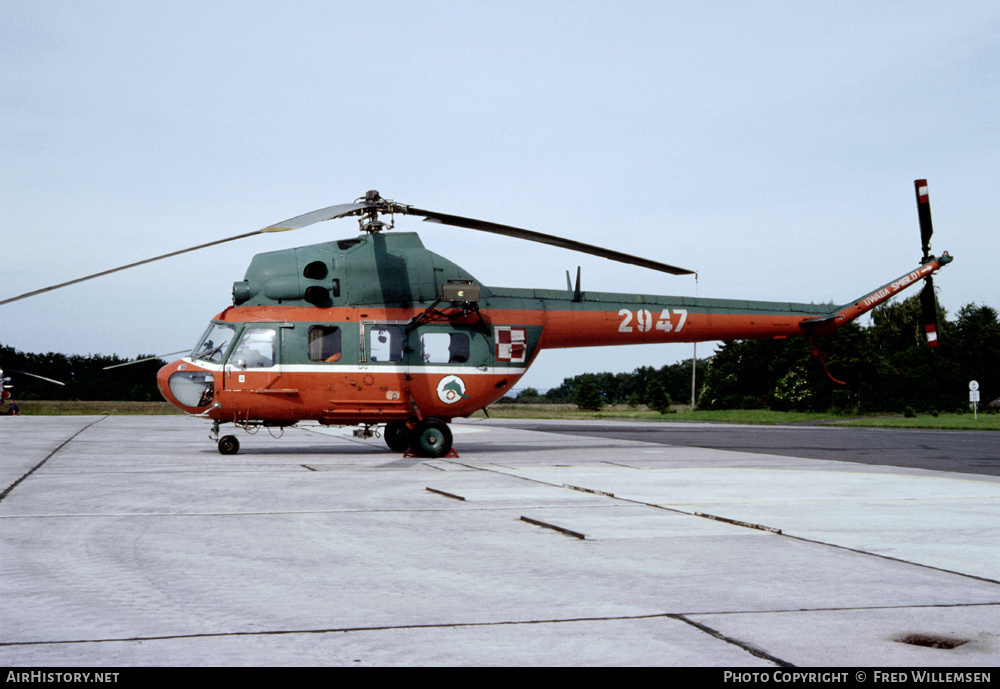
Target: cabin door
[[254, 363]]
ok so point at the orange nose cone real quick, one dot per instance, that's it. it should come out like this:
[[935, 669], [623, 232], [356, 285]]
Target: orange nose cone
[[186, 386], [161, 382]]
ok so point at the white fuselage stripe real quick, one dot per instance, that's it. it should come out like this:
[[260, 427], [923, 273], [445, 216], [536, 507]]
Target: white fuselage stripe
[[396, 369]]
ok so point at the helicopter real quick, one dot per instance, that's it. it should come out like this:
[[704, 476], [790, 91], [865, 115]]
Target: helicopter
[[8, 407], [379, 332]]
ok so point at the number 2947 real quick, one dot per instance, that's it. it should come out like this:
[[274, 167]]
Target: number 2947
[[645, 321]]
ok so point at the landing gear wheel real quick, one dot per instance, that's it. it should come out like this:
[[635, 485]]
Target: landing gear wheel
[[229, 445], [397, 436], [431, 438]]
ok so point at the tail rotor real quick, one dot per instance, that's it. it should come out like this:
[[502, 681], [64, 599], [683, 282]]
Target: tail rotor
[[928, 299]]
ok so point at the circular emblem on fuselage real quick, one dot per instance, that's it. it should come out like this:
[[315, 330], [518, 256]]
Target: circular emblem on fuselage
[[451, 389]]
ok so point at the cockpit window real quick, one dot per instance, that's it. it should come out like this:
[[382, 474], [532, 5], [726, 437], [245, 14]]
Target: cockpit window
[[214, 343]]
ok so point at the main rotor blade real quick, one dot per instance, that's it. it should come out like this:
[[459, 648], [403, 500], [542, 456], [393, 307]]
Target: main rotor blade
[[295, 223], [328, 213], [148, 358], [35, 375], [531, 236], [126, 267]]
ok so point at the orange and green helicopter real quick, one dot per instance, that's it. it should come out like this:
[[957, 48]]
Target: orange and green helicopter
[[379, 332]]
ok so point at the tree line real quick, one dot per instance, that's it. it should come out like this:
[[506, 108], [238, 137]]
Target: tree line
[[83, 377], [883, 367]]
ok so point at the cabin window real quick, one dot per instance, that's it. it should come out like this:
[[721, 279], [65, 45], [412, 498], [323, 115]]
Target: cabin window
[[256, 349], [444, 348], [324, 343], [385, 343]]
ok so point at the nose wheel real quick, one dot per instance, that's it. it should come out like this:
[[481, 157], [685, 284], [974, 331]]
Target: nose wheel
[[229, 445]]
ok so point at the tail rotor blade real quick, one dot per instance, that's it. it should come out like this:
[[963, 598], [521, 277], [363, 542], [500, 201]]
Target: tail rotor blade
[[924, 213], [928, 300], [928, 303]]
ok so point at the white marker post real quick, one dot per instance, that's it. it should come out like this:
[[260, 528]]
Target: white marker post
[[974, 397]]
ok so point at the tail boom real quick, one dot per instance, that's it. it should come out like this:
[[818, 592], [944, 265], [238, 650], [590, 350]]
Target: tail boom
[[859, 307], [617, 319]]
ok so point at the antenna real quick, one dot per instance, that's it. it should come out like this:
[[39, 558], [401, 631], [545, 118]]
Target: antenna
[[694, 353]]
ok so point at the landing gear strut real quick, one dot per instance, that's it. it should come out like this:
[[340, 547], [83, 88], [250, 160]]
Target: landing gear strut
[[228, 444]]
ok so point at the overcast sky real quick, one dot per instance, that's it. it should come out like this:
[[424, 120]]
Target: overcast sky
[[771, 146]]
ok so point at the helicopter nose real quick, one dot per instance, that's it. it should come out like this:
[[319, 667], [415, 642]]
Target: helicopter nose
[[186, 386]]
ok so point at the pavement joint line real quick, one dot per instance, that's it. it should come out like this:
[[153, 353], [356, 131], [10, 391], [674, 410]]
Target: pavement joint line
[[892, 559], [184, 472], [679, 616], [852, 608], [779, 532], [339, 630], [47, 457], [277, 513], [824, 500]]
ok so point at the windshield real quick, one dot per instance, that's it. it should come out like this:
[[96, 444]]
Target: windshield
[[213, 344]]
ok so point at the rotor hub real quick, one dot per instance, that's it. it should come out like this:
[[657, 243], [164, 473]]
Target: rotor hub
[[369, 221]]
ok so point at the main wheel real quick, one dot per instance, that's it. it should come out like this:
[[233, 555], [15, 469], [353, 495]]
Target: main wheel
[[397, 436], [431, 438], [229, 445]]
